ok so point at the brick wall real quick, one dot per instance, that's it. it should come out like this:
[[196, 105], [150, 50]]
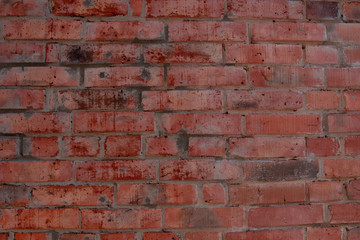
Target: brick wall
[[179, 120]]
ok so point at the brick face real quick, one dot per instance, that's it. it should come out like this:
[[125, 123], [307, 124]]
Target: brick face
[[179, 119]]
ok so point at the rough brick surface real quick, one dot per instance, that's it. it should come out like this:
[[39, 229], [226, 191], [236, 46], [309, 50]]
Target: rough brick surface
[[179, 119]]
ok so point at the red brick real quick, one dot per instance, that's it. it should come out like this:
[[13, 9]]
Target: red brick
[[120, 218], [187, 8], [106, 171], [323, 147], [163, 146], [39, 219], [77, 236], [52, 53], [100, 53], [183, 53], [263, 53], [345, 213], [352, 144], [207, 146], [80, 146], [122, 146], [352, 54], [352, 99], [117, 31], [34, 123], [118, 236], [113, 122], [21, 99], [344, 32], [213, 194], [353, 190], [9, 147], [325, 191], [207, 31], [341, 168], [91, 99], [204, 169], [263, 100], [346, 122], [322, 100], [40, 146], [183, 100], [278, 9], [268, 193], [354, 233], [123, 76], [11, 195], [201, 123], [72, 195], [278, 234], [160, 236], [322, 10], [227, 217], [330, 233], [206, 76], [23, 8], [4, 236], [45, 29], [21, 52], [31, 236], [39, 76], [283, 124], [34, 171], [267, 147], [156, 194], [90, 8], [289, 32], [322, 55], [280, 170], [343, 77], [351, 10], [203, 236], [285, 216], [285, 76], [136, 7]]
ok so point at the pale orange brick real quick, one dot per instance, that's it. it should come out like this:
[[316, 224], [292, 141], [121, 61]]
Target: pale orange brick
[[331, 233], [213, 194], [322, 55], [322, 100], [207, 146], [325, 191], [322, 147]]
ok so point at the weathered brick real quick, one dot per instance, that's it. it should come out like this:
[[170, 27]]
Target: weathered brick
[[263, 100], [344, 32], [90, 8], [203, 217], [322, 100], [183, 53], [341, 168], [123, 76], [330, 233], [285, 216], [289, 32], [354, 233], [39, 218], [352, 55], [213, 194], [352, 144], [198, 170], [182, 100], [322, 10], [160, 236], [202, 236], [278, 234], [280, 170], [52, 53], [201, 123], [122, 146], [9, 147], [283, 124], [23, 8], [12, 195], [260, 9], [351, 10], [136, 7], [116, 31], [72, 195], [40, 76], [353, 190], [323, 147], [207, 146], [80, 146], [35, 171], [343, 77], [45, 29], [156, 194], [187, 8], [322, 54], [285, 76], [263, 53], [31, 236], [21, 99], [345, 213], [347, 122], [40, 146], [267, 193], [206, 76], [5, 236], [120, 170], [120, 218], [118, 236], [207, 31], [77, 236], [11, 52], [113, 122], [267, 147], [164, 146], [325, 191]]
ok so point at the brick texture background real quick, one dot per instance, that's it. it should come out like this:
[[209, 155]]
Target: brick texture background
[[179, 120]]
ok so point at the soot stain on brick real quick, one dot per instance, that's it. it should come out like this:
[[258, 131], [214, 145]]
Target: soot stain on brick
[[182, 142], [77, 54], [10, 194], [89, 3], [245, 105], [146, 74], [198, 218], [103, 75]]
